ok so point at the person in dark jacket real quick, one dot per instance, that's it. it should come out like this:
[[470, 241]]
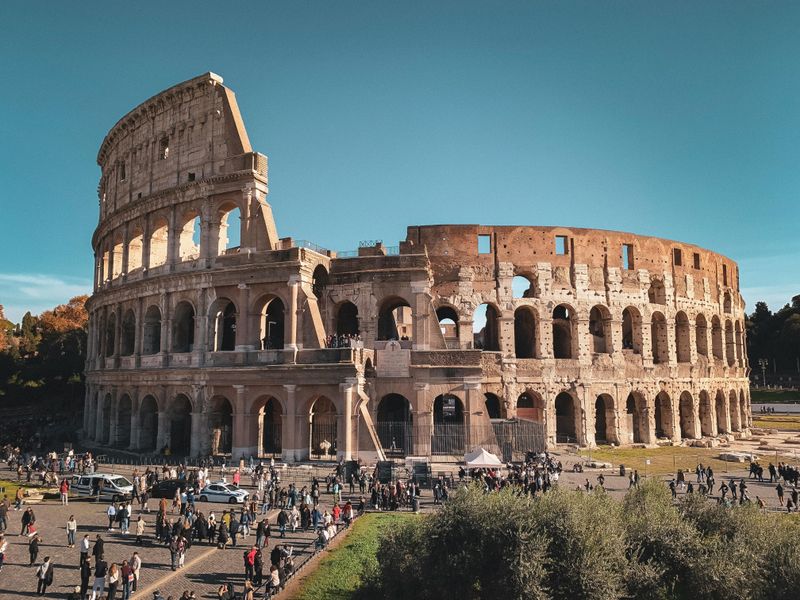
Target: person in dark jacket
[[44, 575], [86, 573], [97, 551], [33, 548]]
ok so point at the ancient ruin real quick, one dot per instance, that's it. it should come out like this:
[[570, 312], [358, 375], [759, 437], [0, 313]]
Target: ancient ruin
[[210, 334]]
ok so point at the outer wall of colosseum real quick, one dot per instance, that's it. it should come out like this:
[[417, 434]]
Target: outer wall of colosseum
[[208, 332]]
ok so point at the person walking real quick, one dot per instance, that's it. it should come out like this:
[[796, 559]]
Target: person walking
[[126, 574], [72, 530], [44, 576], [139, 530], [111, 512], [64, 491], [84, 548], [100, 572], [136, 565], [86, 574], [97, 551], [113, 581], [33, 548], [27, 520]]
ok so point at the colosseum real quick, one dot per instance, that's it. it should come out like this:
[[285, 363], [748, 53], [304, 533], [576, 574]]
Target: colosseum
[[209, 334]]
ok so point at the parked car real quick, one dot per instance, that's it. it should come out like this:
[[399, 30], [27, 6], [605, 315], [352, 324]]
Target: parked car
[[166, 488], [223, 492], [112, 487]]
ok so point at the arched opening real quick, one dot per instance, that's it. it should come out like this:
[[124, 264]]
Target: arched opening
[[664, 426], [562, 332], [530, 407], [183, 328], [743, 420], [105, 432], [229, 230], [395, 320], [448, 425], [148, 424], [635, 407], [658, 333], [116, 257], [347, 319], [319, 282], [270, 426], [706, 414], [271, 324], [448, 325], [111, 334], [683, 345], [726, 303], [605, 430], [484, 328], [600, 329], [189, 239], [687, 416], [323, 422], [220, 423], [151, 342], [632, 330], [492, 404], [740, 355], [180, 426], [566, 418], [701, 333], [223, 315], [127, 342], [730, 344], [124, 422], [733, 409], [524, 332], [656, 293], [716, 338], [522, 287], [159, 241], [135, 249], [719, 409], [394, 424]]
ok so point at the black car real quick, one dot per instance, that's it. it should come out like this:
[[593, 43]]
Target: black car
[[166, 488]]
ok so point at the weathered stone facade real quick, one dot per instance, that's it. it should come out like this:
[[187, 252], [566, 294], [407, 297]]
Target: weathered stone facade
[[208, 332]]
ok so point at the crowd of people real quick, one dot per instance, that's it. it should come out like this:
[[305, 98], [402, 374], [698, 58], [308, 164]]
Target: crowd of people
[[347, 340]]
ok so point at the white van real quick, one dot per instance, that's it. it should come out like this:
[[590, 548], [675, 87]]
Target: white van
[[112, 487]]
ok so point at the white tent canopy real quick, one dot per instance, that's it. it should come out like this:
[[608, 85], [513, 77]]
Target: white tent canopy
[[481, 459]]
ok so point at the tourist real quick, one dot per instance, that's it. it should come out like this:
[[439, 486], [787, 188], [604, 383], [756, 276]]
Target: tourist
[[64, 491], [84, 549], [100, 572], [44, 576], [139, 530], [111, 512], [97, 550], [33, 548], [113, 581], [27, 521], [86, 573], [136, 565], [72, 529]]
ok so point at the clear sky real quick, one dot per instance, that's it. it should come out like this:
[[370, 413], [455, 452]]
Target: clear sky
[[674, 119]]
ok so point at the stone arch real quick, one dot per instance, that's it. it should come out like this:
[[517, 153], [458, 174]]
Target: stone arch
[[719, 410], [706, 414], [319, 282], [701, 335], [734, 411], [530, 407], [636, 414], [525, 326], [347, 319], [687, 417], [716, 338], [189, 237], [563, 330], [726, 303], [111, 334], [220, 424], [605, 425], [151, 342], [485, 328], [683, 344], [600, 329], [323, 424], [271, 322], [183, 324], [159, 242], [123, 422], [656, 293], [223, 317], [148, 424], [127, 342], [567, 418], [395, 425], [228, 232], [180, 425], [395, 319], [135, 249], [449, 433], [632, 330], [267, 428], [659, 339], [448, 324], [522, 287], [494, 406], [730, 344], [663, 415]]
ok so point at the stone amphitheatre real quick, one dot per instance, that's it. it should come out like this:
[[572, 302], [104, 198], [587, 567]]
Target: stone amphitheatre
[[210, 334]]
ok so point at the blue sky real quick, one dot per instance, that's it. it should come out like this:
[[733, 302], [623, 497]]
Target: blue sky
[[675, 119]]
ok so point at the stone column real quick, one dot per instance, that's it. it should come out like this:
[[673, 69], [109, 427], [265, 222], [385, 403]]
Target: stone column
[[243, 444], [146, 245], [423, 421], [473, 404], [166, 324], [173, 236], [291, 333], [244, 341], [505, 333], [345, 425], [421, 315], [137, 350], [647, 341], [201, 329], [289, 427], [465, 335], [134, 422], [164, 430], [615, 343], [125, 240], [581, 343]]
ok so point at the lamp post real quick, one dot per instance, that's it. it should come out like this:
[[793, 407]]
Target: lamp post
[[763, 363]]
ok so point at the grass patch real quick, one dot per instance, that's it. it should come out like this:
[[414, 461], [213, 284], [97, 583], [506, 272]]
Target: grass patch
[[779, 422], [11, 489], [664, 460], [776, 396], [339, 574]]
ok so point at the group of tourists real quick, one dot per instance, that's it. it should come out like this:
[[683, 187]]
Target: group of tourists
[[347, 340]]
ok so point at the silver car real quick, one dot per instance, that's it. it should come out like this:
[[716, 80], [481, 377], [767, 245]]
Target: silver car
[[223, 492]]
